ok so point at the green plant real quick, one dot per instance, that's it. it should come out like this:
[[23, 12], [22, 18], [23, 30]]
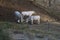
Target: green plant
[[4, 35]]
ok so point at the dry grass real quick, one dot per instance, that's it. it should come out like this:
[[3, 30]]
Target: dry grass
[[52, 32]]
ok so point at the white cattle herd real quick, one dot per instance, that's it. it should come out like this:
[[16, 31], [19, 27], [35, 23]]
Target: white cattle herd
[[19, 16]]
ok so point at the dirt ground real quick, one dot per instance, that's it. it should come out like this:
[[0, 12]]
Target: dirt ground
[[6, 13]]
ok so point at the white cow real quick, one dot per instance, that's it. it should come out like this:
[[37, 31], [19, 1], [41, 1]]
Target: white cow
[[18, 16], [34, 17], [27, 13]]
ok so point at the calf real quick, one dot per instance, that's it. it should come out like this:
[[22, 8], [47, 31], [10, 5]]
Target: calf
[[34, 17]]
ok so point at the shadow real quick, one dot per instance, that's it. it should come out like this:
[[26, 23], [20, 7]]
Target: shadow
[[7, 14]]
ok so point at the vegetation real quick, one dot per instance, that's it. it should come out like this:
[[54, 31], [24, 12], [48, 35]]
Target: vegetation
[[4, 26], [3, 35], [25, 28]]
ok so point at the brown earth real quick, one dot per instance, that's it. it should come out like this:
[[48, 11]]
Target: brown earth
[[7, 10]]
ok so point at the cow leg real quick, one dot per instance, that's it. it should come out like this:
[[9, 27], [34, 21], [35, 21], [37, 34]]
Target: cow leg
[[38, 21], [18, 21], [21, 19], [27, 20], [31, 21]]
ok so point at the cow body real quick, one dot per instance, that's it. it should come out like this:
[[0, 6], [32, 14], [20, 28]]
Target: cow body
[[26, 14], [34, 17], [18, 16]]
